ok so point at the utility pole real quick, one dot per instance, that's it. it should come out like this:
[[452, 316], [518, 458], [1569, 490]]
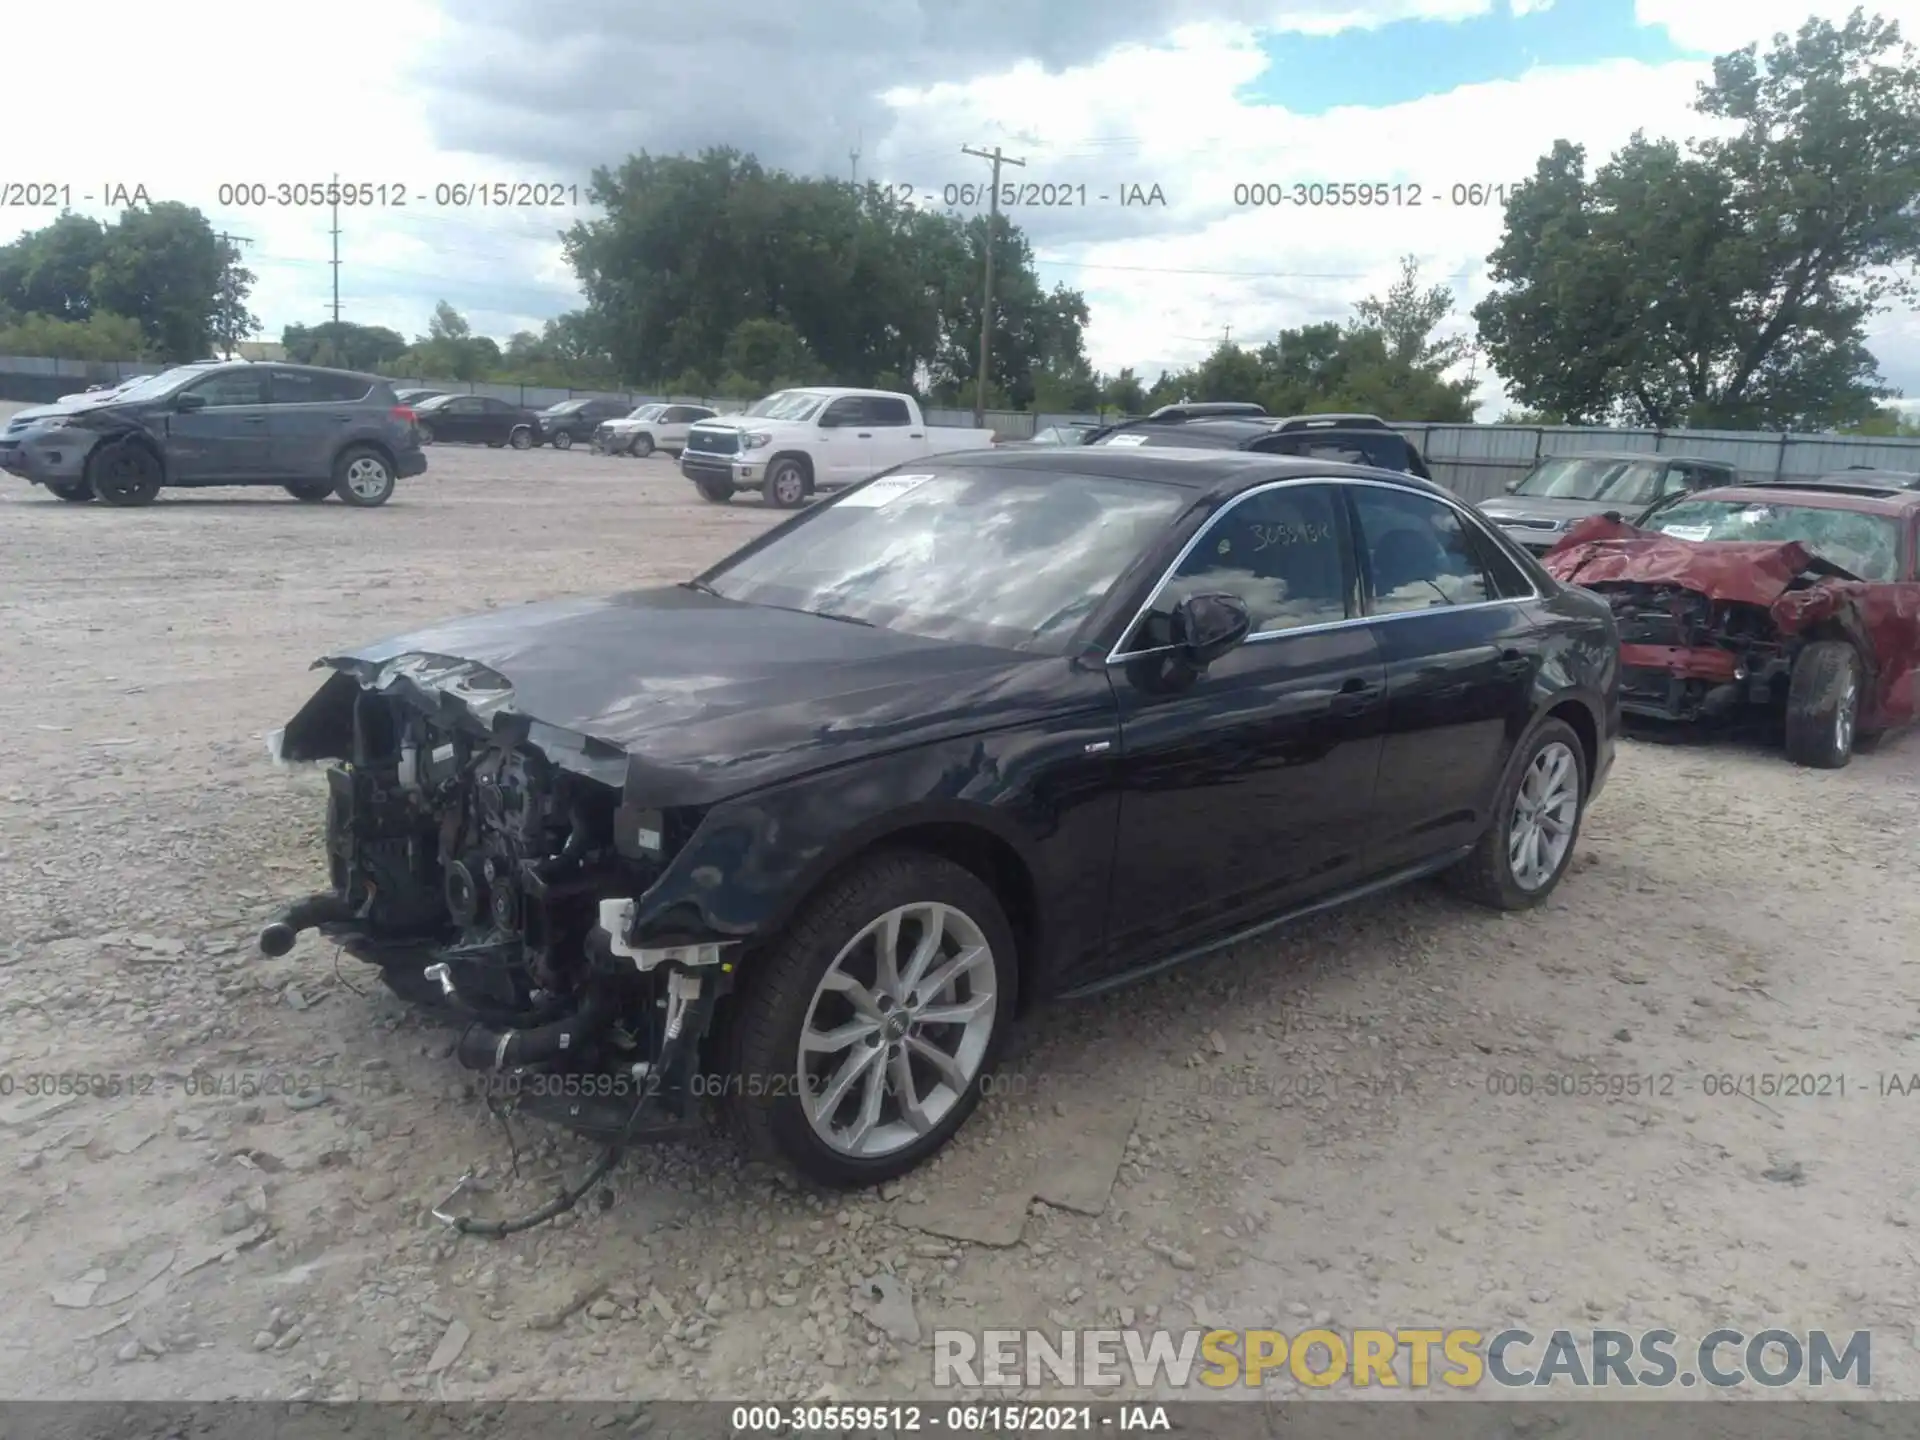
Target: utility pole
[[986, 297], [853, 159], [336, 249], [229, 298], [1226, 338]]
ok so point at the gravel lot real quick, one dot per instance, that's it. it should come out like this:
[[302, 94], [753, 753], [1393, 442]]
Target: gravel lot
[[1306, 1130]]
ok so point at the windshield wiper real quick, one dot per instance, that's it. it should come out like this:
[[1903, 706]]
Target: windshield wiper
[[844, 619], [703, 588]]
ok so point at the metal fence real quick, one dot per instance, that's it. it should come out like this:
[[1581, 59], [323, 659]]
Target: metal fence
[[1475, 461]]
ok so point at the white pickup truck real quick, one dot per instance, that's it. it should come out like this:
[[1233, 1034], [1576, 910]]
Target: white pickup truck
[[797, 443]]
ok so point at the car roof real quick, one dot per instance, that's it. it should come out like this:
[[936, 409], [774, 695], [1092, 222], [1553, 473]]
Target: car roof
[[1871, 475], [1866, 498], [1201, 470]]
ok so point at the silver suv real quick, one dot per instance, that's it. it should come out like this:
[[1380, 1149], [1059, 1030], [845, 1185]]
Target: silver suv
[[313, 432]]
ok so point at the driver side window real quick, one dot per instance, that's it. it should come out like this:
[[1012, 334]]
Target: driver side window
[[231, 388], [847, 410], [1281, 552]]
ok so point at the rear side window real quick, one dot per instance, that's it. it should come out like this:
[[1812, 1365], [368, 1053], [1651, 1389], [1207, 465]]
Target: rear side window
[[885, 410], [1417, 553], [313, 387]]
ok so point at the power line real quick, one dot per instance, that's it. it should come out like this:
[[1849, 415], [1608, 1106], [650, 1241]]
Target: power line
[[986, 297]]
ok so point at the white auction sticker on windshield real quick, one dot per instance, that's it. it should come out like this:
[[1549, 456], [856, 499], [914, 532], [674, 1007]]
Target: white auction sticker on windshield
[[1126, 440], [1687, 532], [886, 490]]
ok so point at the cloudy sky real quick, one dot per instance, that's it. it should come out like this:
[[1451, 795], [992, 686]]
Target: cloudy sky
[[1194, 97]]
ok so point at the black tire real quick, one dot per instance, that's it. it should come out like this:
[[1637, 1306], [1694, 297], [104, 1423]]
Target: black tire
[[125, 472], [716, 491], [313, 491], [765, 1031], [786, 485], [641, 447], [1486, 877], [79, 494], [563, 439], [426, 432], [1823, 705], [521, 438], [363, 477]]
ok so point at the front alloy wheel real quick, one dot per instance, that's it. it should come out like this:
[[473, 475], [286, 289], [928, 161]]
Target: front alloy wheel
[[521, 438], [897, 1029], [786, 485], [863, 1038], [563, 439]]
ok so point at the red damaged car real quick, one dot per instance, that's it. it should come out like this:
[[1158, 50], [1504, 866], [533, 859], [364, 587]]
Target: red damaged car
[[1800, 600]]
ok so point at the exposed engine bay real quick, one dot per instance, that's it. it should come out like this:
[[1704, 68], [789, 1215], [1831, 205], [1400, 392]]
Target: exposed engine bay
[[484, 879], [1688, 657]]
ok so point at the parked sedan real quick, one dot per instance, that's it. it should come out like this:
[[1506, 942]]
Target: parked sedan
[[1562, 490], [814, 826], [574, 421], [476, 420], [416, 396]]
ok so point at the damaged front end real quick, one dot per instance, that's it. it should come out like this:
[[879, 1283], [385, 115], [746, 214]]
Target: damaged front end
[[1686, 657], [488, 865], [1709, 629]]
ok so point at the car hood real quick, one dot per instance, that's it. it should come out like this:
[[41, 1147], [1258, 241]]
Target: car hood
[[1541, 507], [682, 696], [78, 405]]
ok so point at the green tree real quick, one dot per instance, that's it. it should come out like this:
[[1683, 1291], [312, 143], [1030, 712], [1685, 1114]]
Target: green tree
[[343, 343], [692, 247], [450, 350], [50, 271], [1727, 283], [768, 355], [1125, 393], [165, 267], [1889, 421], [101, 336]]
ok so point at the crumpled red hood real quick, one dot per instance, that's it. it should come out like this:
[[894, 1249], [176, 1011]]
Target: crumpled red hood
[[1747, 572], [1599, 550]]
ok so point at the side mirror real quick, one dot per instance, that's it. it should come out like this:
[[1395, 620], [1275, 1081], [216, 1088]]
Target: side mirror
[[1205, 627], [1511, 486], [185, 404]]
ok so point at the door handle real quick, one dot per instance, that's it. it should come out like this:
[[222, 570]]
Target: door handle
[[1514, 663], [1354, 695], [864, 435], [253, 419], [916, 435]]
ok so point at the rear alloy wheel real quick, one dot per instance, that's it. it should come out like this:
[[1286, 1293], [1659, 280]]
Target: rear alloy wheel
[[717, 491], [642, 447], [74, 494], [563, 439], [125, 473], [521, 438], [1525, 851], [362, 477], [786, 485], [311, 491], [865, 1036], [1823, 705]]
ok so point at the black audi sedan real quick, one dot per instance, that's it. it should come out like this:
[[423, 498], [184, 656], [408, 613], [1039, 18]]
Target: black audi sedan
[[993, 728]]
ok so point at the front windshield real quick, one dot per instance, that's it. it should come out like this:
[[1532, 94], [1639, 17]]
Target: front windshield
[[787, 405], [1008, 558], [647, 412], [1625, 482], [565, 407], [1867, 545], [152, 387]]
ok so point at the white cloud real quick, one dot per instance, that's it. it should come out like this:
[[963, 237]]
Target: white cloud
[[1717, 27], [1529, 7]]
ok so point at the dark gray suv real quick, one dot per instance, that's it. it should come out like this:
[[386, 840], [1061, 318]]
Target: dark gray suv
[[313, 432]]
